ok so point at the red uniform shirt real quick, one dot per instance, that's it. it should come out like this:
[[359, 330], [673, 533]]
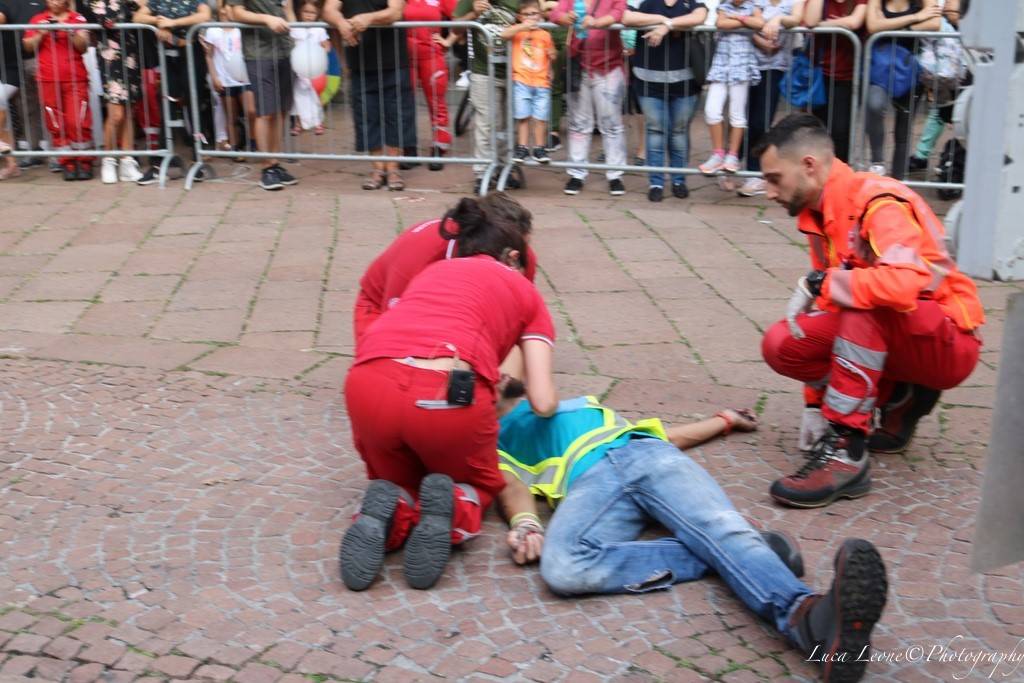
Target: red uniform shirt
[[835, 51], [427, 10], [385, 280], [476, 305], [57, 57]]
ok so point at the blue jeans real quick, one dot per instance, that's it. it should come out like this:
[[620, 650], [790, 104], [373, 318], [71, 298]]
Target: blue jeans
[[668, 114], [591, 544]]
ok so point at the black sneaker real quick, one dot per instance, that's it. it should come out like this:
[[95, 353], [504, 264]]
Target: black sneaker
[[29, 162], [907, 405], [84, 172], [655, 193], [361, 554], [616, 188], [916, 163], [520, 154], [573, 186], [554, 142], [150, 176], [430, 543], [285, 177], [835, 628], [786, 547], [70, 170], [436, 152], [541, 156], [270, 180], [680, 191]]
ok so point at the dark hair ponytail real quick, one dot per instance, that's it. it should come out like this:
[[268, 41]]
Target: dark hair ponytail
[[492, 225]]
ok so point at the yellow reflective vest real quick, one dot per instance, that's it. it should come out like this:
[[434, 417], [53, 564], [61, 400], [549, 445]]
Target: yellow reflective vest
[[550, 476]]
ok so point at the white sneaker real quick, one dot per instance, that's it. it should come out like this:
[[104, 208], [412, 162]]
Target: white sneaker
[[129, 170], [712, 165], [752, 188], [108, 171], [731, 163], [463, 81], [878, 169]]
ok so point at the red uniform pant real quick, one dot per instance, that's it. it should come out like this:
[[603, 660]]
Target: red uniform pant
[[66, 111], [431, 71], [860, 354], [402, 443], [147, 109]]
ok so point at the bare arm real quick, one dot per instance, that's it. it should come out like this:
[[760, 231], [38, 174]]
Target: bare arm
[[540, 384], [525, 536], [202, 14], [512, 30], [384, 17], [633, 18], [80, 41], [690, 435], [853, 22], [928, 19]]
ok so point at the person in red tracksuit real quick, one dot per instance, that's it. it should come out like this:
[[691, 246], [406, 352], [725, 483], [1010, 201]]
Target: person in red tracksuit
[[63, 84], [385, 280], [431, 458], [429, 67], [898, 323]]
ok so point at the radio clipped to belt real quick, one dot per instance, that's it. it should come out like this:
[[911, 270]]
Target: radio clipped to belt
[[460, 387]]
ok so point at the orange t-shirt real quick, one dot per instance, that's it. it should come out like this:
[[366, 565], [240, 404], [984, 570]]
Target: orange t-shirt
[[530, 63]]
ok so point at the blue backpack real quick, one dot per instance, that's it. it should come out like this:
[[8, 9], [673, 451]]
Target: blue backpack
[[803, 86], [894, 68]]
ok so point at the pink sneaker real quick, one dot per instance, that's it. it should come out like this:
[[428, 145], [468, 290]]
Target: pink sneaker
[[713, 165], [731, 164]]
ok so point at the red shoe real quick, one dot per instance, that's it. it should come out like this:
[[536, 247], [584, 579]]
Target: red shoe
[[909, 403], [837, 467]]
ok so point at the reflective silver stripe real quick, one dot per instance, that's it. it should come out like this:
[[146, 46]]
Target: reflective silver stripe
[[845, 405], [468, 493], [655, 76], [528, 477], [862, 356]]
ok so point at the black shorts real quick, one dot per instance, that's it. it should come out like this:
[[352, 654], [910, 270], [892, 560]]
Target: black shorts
[[272, 83], [383, 109], [236, 90]]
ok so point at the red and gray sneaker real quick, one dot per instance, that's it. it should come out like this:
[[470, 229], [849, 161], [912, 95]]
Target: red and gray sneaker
[[361, 555], [430, 543], [908, 404], [837, 467], [834, 629]]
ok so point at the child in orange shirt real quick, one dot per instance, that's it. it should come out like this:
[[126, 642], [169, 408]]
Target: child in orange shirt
[[533, 52]]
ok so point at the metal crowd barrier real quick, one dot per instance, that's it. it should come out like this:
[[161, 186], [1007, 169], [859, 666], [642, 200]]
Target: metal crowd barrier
[[330, 142], [896, 119], [89, 124], [809, 36]]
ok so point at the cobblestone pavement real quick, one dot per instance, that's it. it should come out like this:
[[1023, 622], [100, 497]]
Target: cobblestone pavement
[[177, 469]]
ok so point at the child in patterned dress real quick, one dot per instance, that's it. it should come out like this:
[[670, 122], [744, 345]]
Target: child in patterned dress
[[734, 68]]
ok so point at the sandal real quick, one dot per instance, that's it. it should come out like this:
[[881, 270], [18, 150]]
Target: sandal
[[375, 181], [319, 130], [395, 182], [730, 423]]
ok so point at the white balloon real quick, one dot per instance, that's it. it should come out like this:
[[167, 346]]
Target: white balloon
[[235, 65], [309, 60]]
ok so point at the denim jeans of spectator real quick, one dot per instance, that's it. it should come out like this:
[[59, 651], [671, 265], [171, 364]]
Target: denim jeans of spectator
[[874, 121], [667, 119], [592, 547], [488, 116], [598, 100]]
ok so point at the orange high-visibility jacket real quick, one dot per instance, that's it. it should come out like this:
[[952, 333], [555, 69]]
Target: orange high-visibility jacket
[[882, 246]]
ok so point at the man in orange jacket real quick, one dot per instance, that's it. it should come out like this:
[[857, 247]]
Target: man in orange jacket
[[897, 321]]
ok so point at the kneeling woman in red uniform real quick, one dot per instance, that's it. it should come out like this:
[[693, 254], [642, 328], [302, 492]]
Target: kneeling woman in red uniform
[[384, 282], [421, 399]]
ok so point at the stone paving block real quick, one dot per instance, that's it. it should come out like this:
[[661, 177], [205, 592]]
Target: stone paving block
[[283, 315], [199, 295], [64, 286], [140, 288], [150, 353], [159, 261], [89, 257], [258, 362], [205, 325], [20, 265], [111, 233], [120, 318], [52, 317], [587, 311], [42, 242]]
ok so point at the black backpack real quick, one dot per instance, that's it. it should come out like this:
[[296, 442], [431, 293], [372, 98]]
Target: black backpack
[[952, 164]]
